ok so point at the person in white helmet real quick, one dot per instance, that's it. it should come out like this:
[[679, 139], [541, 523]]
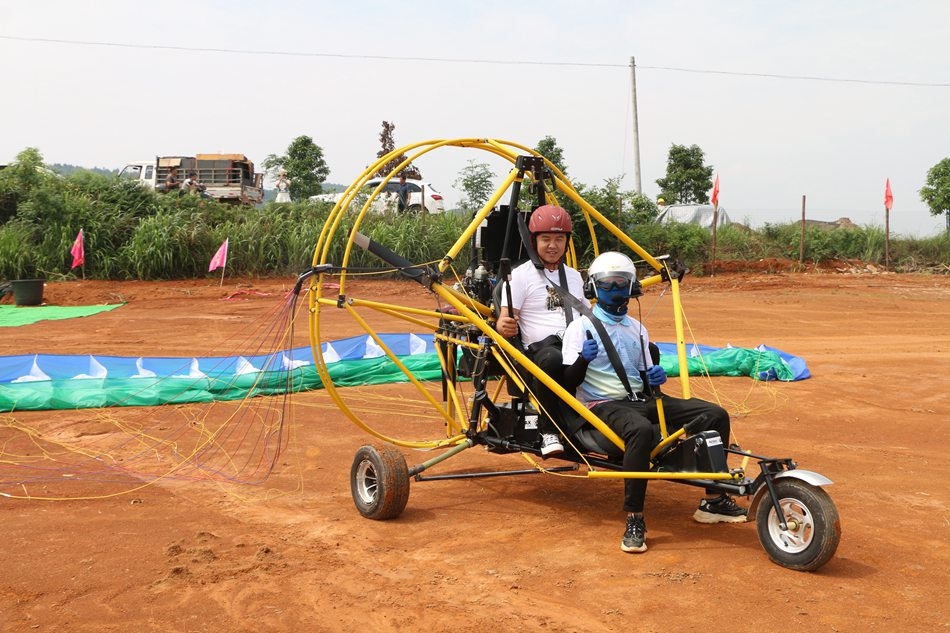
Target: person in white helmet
[[538, 313], [632, 413]]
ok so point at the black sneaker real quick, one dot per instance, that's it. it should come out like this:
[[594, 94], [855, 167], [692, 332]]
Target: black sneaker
[[720, 510], [634, 538]]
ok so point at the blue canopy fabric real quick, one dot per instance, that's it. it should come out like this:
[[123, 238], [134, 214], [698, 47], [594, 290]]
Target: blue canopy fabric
[[45, 381]]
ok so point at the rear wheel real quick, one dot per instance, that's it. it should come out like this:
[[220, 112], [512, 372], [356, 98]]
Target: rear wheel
[[814, 528], [379, 481]]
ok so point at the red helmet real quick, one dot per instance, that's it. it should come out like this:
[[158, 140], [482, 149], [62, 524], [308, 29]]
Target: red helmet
[[550, 219]]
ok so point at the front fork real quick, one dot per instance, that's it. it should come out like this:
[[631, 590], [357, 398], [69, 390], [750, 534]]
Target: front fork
[[770, 468]]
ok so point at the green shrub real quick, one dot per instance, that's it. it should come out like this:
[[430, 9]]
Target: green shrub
[[16, 255], [682, 242]]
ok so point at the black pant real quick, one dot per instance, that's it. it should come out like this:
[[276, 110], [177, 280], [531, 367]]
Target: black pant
[[635, 423], [548, 360]]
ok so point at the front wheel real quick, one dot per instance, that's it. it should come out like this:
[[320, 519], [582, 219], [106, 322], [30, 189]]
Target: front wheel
[[379, 481], [814, 528]]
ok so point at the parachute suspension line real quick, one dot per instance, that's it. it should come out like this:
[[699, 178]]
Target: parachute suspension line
[[742, 406]]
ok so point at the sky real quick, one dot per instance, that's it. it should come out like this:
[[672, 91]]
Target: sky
[[825, 99]]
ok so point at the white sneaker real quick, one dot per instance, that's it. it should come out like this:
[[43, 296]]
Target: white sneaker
[[551, 444]]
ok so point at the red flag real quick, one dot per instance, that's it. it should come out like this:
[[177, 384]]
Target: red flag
[[220, 259], [888, 196], [715, 196], [78, 251]]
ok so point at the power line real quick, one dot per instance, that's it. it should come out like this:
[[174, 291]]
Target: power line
[[239, 51], [800, 77], [457, 60]]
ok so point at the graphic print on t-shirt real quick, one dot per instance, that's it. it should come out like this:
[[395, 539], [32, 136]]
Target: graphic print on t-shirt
[[553, 302]]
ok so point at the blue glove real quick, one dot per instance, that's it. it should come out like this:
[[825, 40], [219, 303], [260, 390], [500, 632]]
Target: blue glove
[[656, 376], [589, 350]]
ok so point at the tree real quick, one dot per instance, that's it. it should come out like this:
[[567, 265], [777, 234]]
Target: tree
[[388, 142], [626, 209], [305, 167], [64, 169], [476, 181], [548, 148], [687, 180], [22, 185], [936, 193], [27, 171]]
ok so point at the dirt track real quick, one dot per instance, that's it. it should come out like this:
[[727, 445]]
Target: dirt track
[[504, 554]]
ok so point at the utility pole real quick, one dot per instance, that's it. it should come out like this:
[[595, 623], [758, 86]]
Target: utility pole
[[636, 130]]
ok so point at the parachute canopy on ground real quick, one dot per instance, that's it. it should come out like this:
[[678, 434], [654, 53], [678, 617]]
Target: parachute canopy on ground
[[699, 214], [33, 382]]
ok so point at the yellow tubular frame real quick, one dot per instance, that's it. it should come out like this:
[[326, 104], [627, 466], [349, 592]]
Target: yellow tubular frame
[[469, 310]]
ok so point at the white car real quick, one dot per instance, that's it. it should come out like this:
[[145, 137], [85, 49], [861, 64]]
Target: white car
[[386, 200]]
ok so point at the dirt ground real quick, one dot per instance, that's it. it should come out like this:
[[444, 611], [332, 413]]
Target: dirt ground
[[531, 553]]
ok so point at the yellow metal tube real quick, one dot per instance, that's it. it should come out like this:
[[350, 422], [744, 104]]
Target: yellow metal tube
[[661, 415], [680, 338], [666, 441], [650, 474]]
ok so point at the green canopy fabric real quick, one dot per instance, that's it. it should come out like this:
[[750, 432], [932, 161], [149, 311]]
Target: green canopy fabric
[[12, 316], [90, 393]]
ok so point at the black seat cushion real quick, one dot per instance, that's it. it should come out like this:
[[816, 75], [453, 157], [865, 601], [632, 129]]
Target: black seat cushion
[[590, 439]]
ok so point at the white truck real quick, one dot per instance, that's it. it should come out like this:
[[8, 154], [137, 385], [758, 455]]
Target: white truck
[[385, 202], [225, 177]]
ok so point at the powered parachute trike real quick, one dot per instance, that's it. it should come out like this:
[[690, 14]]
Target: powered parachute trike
[[483, 396]]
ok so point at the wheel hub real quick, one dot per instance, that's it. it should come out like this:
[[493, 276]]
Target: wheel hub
[[801, 526], [367, 482]]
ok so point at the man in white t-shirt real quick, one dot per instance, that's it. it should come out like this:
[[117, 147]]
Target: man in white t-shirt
[[538, 313], [191, 184]]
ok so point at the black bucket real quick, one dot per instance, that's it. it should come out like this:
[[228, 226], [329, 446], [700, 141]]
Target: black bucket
[[27, 292]]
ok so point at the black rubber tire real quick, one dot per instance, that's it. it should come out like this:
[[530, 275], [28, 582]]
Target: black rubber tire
[[379, 481], [814, 529]]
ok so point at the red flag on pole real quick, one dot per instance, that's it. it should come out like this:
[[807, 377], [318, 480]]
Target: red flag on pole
[[78, 251], [220, 259], [715, 195], [888, 196]]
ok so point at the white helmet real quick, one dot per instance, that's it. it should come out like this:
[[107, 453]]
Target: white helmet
[[609, 265]]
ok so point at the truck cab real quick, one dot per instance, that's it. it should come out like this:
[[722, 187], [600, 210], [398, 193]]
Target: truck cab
[[140, 171]]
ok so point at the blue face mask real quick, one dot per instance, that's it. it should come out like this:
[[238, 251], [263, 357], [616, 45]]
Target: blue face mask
[[614, 302]]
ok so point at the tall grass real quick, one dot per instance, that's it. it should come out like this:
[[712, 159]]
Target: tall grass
[[927, 254], [167, 246]]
